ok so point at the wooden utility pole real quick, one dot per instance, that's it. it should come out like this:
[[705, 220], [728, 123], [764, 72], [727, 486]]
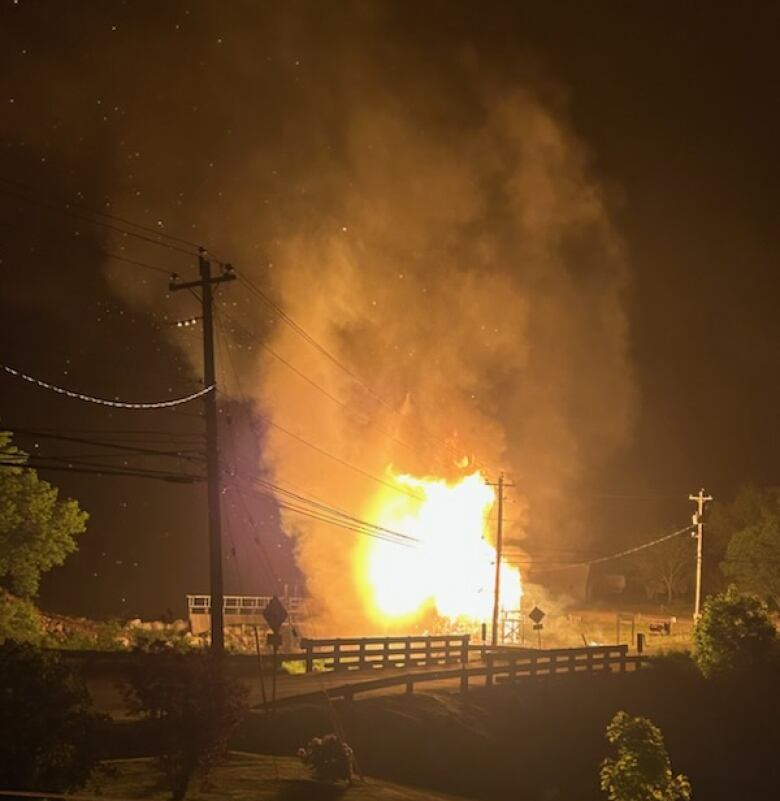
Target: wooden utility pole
[[205, 284], [500, 484], [698, 520]]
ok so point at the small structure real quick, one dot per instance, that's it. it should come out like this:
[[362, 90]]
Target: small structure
[[243, 611]]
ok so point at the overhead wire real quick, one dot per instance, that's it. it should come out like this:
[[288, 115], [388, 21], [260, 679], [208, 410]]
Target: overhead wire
[[106, 214], [313, 446], [124, 449], [35, 464], [313, 507], [326, 393], [338, 363], [190, 250], [562, 565], [105, 401]]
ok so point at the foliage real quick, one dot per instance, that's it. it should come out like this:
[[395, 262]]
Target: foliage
[[20, 620], [724, 520], [37, 531], [50, 734], [753, 553], [195, 705], [154, 640], [642, 770], [665, 570], [329, 758], [734, 632]]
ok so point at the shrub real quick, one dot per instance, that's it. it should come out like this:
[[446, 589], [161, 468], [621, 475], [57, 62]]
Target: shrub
[[733, 633], [50, 734], [20, 620], [642, 770], [194, 704], [329, 758]]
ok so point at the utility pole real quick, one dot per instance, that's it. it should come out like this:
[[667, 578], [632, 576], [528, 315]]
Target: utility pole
[[698, 520], [205, 284], [500, 484]]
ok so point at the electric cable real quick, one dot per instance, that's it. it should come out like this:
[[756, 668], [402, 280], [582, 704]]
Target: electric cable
[[104, 401]]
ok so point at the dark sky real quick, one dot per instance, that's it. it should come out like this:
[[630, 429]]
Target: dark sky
[[149, 106]]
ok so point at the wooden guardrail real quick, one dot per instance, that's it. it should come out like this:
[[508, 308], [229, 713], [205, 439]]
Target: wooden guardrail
[[500, 667], [371, 652]]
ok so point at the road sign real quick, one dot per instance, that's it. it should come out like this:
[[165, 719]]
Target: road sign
[[536, 615], [538, 626], [275, 614]]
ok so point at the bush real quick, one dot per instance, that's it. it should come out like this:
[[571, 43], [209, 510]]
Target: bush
[[734, 633], [194, 704], [20, 620], [642, 770], [329, 758], [50, 734]]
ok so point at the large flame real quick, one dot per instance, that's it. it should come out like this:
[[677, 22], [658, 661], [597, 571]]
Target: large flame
[[451, 568]]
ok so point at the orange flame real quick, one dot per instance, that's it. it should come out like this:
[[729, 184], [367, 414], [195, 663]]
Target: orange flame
[[451, 567]]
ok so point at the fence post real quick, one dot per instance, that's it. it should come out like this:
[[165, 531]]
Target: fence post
[[309, 657], [464, 681], [427, 651], [410, 686], [386, 653], [464, 649], [362, 655], [337, 655], [408, 652], [489, 673]]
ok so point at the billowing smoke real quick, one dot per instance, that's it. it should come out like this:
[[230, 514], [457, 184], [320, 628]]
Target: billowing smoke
[[421, 207], [470, 277]]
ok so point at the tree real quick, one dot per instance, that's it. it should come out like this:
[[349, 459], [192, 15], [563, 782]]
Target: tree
[[724, 520], [50, 734], [37, 531], [642, 770], [733, 633], [665, 569], [753, 553], [194, 704]]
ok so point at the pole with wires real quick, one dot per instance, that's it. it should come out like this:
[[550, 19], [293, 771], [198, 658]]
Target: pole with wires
[[500, 484], [698, 520], [205, 284]]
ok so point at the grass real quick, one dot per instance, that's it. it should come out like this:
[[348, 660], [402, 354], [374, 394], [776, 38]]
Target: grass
[[247, 777]]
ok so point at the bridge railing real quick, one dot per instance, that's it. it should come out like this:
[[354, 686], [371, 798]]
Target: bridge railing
[[554, 661], [503, 668], [370, 652]]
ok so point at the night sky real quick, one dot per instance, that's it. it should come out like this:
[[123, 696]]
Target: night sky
[[167, 113]]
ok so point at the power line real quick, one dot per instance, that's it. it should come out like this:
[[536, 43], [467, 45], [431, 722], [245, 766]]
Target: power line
[[107, 215], [627, 552], [98, 471], [322, 507], [336, 361], [104, 401], [110, 445], [340, 403], [321, 450], [191, 250]]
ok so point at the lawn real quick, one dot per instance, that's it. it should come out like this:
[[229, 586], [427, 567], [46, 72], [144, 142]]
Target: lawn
[[248, 777]]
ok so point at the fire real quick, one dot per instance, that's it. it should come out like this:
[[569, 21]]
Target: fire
[[451, 569]]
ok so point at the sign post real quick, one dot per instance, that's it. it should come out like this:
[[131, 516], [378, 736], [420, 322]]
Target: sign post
[[537, 616], [275, 614]]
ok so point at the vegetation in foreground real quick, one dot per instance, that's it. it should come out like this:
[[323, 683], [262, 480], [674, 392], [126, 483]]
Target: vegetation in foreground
[[250, 777]]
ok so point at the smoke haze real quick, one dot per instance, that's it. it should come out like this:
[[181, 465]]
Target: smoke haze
[[426, 213]]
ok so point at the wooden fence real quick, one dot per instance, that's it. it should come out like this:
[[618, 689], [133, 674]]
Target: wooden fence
[[372, 652], [501, 667]]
